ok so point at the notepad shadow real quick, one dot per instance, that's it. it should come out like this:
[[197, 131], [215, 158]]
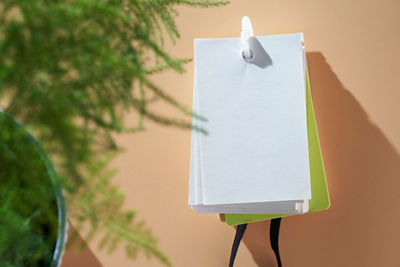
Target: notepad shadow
[[363, 174]]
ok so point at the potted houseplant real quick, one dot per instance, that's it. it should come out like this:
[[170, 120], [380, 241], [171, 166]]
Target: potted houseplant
[[69, 71], [32, 213]]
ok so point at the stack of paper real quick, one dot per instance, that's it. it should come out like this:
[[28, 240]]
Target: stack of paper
[[319, 189], [255, 157]]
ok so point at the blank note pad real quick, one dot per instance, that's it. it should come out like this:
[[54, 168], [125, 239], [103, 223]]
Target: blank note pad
[[255, 157]]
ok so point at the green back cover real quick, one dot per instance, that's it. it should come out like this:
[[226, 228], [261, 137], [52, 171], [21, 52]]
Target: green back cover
[[319, 189]]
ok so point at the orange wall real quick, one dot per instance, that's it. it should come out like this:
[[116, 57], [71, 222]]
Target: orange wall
[[354, 58]]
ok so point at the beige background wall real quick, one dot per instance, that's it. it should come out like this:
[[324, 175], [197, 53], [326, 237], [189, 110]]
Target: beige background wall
[[354, 58]]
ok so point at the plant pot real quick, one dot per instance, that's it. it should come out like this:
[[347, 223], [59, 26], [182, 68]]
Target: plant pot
[[33, 216]]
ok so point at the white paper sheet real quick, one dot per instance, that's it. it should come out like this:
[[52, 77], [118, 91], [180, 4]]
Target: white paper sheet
[[256, 150]]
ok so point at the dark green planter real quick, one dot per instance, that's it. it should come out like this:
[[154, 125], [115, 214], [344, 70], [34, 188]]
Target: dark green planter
[[33, 217]]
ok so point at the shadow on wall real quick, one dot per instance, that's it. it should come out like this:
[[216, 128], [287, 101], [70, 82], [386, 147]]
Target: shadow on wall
[[75, 258], [362, 227]]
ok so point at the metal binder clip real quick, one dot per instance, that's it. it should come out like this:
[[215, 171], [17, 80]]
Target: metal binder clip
[[247, 33]]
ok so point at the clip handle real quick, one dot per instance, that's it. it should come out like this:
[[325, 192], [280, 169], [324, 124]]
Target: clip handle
[[246, 34]]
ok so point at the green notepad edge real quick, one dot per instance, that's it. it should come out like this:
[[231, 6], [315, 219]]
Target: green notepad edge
[[319, 190]]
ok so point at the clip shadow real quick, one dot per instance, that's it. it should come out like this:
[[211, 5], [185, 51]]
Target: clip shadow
[[261, 57]]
